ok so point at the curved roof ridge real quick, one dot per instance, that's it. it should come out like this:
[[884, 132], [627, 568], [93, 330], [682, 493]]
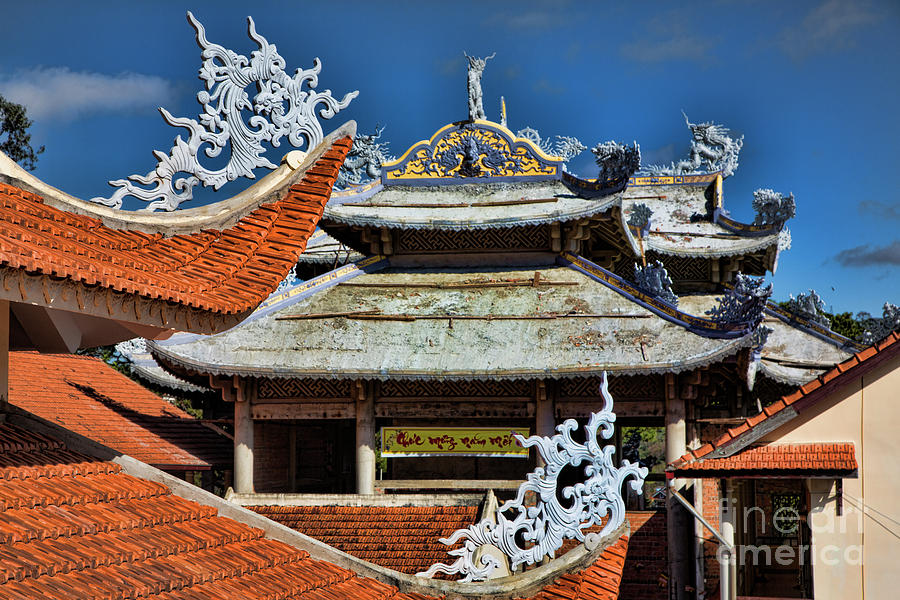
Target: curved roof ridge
[[178, 258], [218, 215], [795, 319], [173, 361], [424, 308]]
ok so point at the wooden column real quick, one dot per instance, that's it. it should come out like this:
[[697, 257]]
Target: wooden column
[[679, 535], [243, 438], [544, 409], [365, 437], [728, 564]]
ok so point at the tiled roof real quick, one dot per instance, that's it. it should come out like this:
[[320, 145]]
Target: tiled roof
[[74, 527], [403, 538], [87, 396], [600, 581], [393, 312], [226, 271], [795, 459], [645, 562], [779, 412]]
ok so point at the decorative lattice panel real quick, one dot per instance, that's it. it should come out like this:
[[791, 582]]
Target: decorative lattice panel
[[682, 268], [303, 388], [634, 387], [453, 389], [516, 238]]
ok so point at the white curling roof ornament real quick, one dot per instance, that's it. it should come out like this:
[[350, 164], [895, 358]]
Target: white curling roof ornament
[[281, 108], [544, 526]]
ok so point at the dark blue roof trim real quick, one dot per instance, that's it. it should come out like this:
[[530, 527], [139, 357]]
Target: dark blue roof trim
[[744, 229], [584, 188], [699, 325]]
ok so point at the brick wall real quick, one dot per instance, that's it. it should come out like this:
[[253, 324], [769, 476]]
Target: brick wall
[[712, 496], [646, 563]]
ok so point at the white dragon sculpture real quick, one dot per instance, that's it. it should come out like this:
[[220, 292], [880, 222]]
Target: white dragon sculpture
[[712, 149]]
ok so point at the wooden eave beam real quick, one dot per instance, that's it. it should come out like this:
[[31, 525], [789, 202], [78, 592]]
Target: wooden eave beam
[[61, 294]]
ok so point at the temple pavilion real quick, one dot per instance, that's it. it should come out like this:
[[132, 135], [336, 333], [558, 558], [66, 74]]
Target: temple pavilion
[[494, 299], [479, 289]]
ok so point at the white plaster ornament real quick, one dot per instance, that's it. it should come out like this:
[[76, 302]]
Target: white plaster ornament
[[535, 532], [280, 108]]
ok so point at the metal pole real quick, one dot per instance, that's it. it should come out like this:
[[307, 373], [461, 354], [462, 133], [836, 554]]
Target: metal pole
[[727, 551]]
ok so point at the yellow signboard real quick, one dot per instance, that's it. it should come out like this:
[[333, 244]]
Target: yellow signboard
[[452, 441]]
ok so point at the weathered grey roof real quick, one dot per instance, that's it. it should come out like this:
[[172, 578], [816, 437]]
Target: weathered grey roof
[[468, 206], [796, 357], [324, 249], [492, 205], [146, 368], [417, 323], [673, 232]]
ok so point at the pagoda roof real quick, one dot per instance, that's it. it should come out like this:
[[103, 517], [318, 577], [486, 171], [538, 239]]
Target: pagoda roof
[[200, 269], [477, 205], [471, 175], [681, 223], [419, 192], [324, 249], [419, 323], [794, 355]]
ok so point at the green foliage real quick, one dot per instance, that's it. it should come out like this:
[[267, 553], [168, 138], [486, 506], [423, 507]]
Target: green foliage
[[15, 141], [380, 461], [110, 356], [184, 404], [645, 445], [846, 324]]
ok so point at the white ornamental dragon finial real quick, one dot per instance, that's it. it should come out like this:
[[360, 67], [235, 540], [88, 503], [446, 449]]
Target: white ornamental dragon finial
[[538, 531], [280, 108]]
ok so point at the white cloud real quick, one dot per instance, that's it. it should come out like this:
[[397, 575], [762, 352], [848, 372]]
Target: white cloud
[[867, 255], [832, 25], [60, 93], [668, 37], [543, 18]]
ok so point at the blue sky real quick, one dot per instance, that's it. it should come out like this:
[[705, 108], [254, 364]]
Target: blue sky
[[813, 87]]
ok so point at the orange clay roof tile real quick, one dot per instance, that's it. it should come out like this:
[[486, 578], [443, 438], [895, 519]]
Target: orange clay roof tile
[[75, 527], [227, 272], [841, 372], [401, 538], [600, 581], [779, 459], [87, 396]]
